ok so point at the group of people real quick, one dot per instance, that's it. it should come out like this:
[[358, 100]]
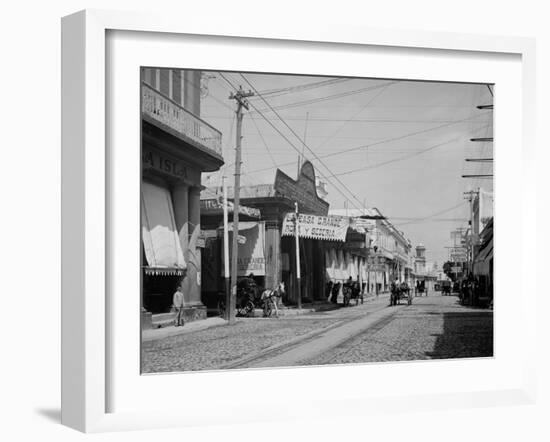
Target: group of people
[[398, 290]]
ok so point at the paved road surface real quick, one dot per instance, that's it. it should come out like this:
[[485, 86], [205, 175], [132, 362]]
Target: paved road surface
[[433, 327]]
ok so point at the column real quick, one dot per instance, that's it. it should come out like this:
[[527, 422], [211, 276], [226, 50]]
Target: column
[[272, 254], [360, 273], [194, 253], [180, 199]]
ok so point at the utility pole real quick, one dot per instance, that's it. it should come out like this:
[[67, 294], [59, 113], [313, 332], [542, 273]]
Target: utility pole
[[226, 249], [297, 239], [240, 96], [473, 238]]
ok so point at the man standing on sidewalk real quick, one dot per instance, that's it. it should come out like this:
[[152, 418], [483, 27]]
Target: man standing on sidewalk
[[178, 302]]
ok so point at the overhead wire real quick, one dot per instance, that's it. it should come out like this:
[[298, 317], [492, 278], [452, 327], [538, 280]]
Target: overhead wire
[[310, 150], [384, 141], [303, 87], [321, 99], [441, 212], [264, 142], [369, 102], [284, 136], [395, 160]]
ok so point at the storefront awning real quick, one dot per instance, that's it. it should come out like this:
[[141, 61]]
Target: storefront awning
[[482, 263], [158, 228], [163, 271], [247, 225], [251, 256]]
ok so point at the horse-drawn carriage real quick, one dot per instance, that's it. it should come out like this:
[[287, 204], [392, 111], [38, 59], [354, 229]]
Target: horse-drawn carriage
[[398, 292], [351, 290], [446, 288], [250, 296], [420, 289]]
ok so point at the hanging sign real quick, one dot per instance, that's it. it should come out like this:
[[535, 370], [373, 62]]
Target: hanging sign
[[250, 241], [331, 228], [216, 205]]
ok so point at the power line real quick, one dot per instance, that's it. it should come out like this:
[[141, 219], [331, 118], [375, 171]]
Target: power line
[[303, 87], [369, 102], [284, 136], [377, 143], [264, 142], [307, 147], [320, 99], [441, 212], [395, 160]]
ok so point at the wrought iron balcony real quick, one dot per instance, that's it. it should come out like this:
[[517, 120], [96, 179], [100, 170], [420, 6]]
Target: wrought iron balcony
[[167, 112]]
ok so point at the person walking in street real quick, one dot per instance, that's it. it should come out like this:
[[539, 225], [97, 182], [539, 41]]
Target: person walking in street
[[394, 292], [178, 302]]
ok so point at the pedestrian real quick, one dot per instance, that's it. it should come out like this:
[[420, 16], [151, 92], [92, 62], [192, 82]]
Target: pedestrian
[[394, 292], [178, 303]]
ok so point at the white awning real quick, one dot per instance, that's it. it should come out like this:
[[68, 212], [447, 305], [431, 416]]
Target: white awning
[[246, 225], [251, 255], [158, 228]]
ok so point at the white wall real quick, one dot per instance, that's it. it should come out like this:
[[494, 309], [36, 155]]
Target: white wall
[[30, 221]]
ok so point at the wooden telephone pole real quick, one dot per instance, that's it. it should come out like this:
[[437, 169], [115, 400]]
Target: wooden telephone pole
[[297, 241], [240, 96]]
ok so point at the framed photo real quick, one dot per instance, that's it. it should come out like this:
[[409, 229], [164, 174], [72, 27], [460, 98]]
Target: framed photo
[[159, 330]]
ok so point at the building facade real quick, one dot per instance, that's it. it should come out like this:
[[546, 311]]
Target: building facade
[[275, 202], [177, 147]]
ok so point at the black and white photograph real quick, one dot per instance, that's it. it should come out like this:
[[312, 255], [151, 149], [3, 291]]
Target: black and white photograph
[[292, 220]]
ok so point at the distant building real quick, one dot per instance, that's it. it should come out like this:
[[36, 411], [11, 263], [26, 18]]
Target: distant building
[[388, 250], [420, 260], [423, 270]]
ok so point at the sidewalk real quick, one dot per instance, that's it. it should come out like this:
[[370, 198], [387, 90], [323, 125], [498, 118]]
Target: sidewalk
[[154, 334], [166, 331]]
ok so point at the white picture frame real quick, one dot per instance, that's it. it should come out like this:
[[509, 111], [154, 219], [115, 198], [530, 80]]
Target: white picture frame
[[86, 204]]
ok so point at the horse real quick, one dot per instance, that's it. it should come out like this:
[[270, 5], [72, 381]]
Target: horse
[[271, 297]]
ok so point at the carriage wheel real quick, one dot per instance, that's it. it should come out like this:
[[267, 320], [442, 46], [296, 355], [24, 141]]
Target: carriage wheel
[[267, 308], [245, 309], [249, 308], [346, 299], [221, 308]]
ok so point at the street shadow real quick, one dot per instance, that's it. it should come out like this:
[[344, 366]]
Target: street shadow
[[466, 334], [51, 414]]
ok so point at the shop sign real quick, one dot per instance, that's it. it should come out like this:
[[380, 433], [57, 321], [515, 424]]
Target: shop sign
[[164, 163], [216, 206], [213, 233], [251, 257], [329, 228], [303, 191]]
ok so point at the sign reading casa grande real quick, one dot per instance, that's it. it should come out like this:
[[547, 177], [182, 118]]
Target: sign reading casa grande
[[332, 228]]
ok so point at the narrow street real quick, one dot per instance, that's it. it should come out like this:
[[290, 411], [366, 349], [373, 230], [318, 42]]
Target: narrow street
[[434, 327]]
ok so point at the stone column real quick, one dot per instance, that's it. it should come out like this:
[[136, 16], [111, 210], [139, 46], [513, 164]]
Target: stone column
[[272, 254], [180, 198], [194, 253]]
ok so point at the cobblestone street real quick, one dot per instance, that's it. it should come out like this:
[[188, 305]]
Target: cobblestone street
[[434, 327]]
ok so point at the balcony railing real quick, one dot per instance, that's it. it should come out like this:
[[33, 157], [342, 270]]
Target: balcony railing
[[169, 113]]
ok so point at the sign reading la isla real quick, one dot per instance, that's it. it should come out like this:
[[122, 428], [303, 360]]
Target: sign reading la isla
[[162, 163]]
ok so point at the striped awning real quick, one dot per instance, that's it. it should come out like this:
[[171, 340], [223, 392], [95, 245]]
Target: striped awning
[[161, 242]]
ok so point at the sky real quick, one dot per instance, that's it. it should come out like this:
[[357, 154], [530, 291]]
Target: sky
[[396, 145]]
